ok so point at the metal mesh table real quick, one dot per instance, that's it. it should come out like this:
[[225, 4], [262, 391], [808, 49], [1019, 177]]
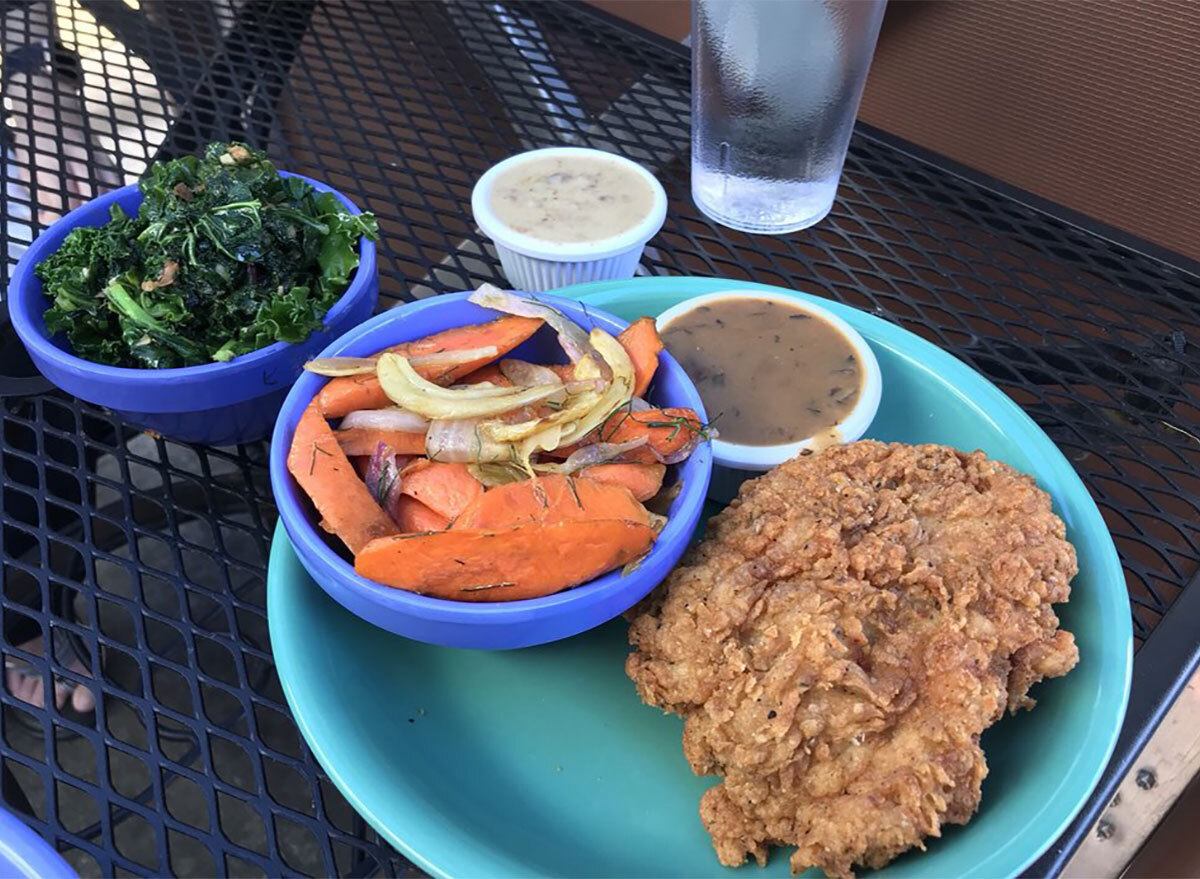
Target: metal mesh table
[[134, 566]]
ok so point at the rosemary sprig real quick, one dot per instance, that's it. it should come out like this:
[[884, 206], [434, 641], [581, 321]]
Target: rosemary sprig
[[312, 465], [675, 422], [484, 586], [681, 422], [574, 492]]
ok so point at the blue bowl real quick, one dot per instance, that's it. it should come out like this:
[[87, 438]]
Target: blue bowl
[[25, 854], [217, 403], [500, 625]]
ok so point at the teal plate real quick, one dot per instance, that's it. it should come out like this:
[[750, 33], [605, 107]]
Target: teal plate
[[543, 762]]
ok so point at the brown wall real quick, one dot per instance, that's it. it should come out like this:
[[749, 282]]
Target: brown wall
[[1093, 104], [667, 18]]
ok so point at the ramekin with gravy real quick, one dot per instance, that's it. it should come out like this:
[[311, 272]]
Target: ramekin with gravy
[[778, 375], [567, 215]]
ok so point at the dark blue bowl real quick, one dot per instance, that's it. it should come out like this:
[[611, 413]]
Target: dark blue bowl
[[217, 403], [500, 625]]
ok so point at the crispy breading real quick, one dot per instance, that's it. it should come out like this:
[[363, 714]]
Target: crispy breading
[[842, 636]]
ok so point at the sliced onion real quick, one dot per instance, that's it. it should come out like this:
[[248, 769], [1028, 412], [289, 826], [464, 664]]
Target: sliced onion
[[556, 431], [460, 441], [637, 404], [385, 419], [530, 375], [596, 453], [509, 429], [409, 391], [615, 395], [580, 397], [598, 385], [571, 336], [339, 366], [546, 439], [383, 478], [527, 375], [448, 359], [482, 390], [492, 475]]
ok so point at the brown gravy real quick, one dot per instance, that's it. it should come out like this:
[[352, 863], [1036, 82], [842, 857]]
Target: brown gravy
[[768, 373]]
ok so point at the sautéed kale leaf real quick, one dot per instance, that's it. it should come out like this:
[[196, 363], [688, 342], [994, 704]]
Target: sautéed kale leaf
[[224, 257]]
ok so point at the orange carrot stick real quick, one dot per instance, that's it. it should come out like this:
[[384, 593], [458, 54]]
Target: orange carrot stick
[[414, 517], [549, 499], [365, 440], [351, 392], [642, 343], [348, 393], [447, 489], [326, 475], [522, 562], [643, 481], [667, 431]]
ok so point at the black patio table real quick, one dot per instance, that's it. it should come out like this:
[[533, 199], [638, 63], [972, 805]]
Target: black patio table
[[143, 560]]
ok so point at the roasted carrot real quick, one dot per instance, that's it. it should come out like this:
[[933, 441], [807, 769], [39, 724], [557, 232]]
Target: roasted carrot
[[365, 440], [490, 373], [514, 563], [641, 342], [348, 393], [549, 499], [414, 517], [667, 431], [447, 489], [642, 480], [326, 475]]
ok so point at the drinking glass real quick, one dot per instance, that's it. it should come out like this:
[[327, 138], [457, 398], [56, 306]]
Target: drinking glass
[[775, 89]]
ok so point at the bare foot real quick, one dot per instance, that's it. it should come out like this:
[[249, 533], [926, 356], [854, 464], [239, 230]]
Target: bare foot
[[26, 682]]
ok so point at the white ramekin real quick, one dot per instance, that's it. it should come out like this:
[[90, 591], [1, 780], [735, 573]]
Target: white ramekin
[[733, 463], [534, 265]]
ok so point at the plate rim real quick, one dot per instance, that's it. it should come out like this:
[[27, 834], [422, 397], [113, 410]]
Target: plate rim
[[945, 364]]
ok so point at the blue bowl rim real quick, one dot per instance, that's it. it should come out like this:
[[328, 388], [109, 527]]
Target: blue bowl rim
[[306, 540], [22, 299]]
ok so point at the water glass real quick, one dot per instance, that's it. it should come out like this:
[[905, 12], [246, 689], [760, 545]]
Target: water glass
[[775, 89]]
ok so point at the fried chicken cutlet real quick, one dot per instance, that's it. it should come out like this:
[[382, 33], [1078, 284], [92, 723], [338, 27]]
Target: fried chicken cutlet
[[842, 636]]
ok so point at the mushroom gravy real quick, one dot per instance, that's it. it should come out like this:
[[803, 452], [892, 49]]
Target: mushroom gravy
[[571, 198], [768, 373]]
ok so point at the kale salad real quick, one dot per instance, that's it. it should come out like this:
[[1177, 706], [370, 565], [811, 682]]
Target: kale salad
[[225, 256]]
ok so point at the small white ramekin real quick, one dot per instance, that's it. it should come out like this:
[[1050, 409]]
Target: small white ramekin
[[534, 265], [733, 463]]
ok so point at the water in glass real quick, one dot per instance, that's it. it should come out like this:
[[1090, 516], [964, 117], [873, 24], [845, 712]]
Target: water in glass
[[775, 89]]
